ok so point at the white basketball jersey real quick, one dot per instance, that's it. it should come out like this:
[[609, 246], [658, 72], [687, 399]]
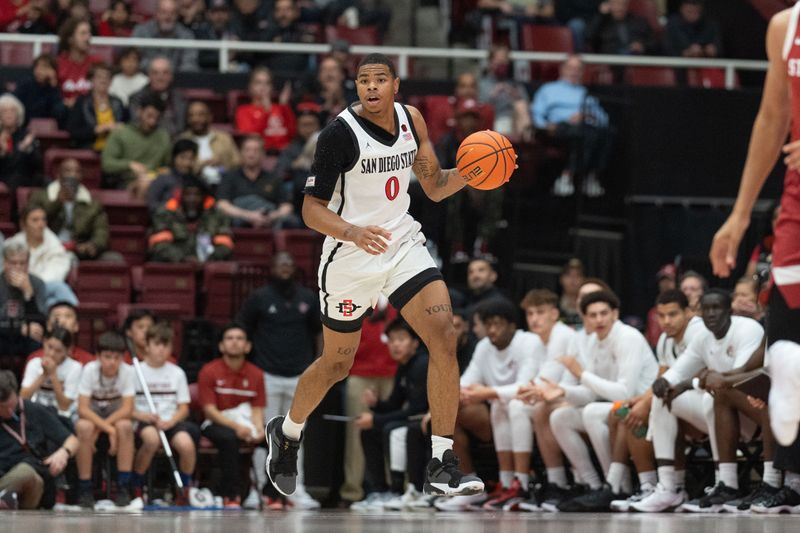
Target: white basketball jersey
[[375, 190]]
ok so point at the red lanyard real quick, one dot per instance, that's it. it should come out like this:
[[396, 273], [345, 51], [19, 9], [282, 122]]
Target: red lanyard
[[21, 438]]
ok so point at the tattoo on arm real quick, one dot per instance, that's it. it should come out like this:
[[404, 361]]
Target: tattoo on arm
[[348, 233], [428, 168], [345, 351], [439, 308]]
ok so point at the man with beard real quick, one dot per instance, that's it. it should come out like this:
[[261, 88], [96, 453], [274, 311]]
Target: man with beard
[[189, 228], [282, 319]]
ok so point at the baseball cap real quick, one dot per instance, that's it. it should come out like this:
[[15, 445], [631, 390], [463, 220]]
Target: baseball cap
[[667, 271], [468, 105]]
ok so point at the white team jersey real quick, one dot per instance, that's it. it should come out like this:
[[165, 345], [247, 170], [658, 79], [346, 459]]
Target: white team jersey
[[68, 373], [168, 388], [505, 370], [106, 393], [668, 351], [706, 351], [561, 338], [375, 190]]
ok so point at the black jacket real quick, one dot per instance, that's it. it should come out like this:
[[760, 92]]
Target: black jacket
[[40, 101], [82, 119], [410, 393]]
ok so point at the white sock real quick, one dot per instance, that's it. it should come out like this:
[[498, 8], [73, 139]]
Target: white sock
[[506, 477], [667, 477], [616, 475], [792, 480], [439, 445], [524, 479], [650, 478], [716, 476], [772, 476], [729, 474], [292, 429], [680, 478], [557, 476], [577, 477]]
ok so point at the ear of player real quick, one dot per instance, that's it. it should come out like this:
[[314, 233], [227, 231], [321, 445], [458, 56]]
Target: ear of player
[[486, 160]]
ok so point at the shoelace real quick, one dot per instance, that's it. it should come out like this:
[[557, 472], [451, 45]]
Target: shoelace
[[286, 462]]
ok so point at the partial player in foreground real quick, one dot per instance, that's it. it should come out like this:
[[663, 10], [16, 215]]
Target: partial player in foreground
[[358, 196]]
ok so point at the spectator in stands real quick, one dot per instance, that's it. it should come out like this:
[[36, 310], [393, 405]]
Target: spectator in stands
[[250, 20], [217, 152], [184, 162], [74, 9], [65, 315], [408, 400], [666, 281], [563, 110], [216, 27], [15, 15], [286, 29], [689, 33], [39, 94], [509, 97], [26, 467], [20, 156], [135, 152], [159, 72], [190, 228], [251, 195], [357, 13], [617, 31], [23, 302], [52, 379], [48, 259], [294, 163], [77, 218], [38, 20], [137, 324], [232, 394], [481, 278], [165, 26], [570, 280], [282, 319], [466, 86], [465, 339], [105, 404], [373, 368], [191, 13], [74, 59], [577, 15], [117, 21], [694, 286], [95, 115], [129, 80], [534, 12], [275, 122], [745, 299], [334, 93], [170, 391]]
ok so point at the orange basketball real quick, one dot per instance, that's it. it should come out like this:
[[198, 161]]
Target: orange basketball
[[486, 159]]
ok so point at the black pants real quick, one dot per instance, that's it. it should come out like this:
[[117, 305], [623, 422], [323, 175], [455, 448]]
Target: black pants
[[418, 449], [375, 443], [589, 147], [783, 323], [226, 441]]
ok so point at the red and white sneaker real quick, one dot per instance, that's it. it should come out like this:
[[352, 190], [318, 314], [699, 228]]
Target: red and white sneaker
[[514, 492]]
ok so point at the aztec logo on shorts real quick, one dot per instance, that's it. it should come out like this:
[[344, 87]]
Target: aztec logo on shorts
[[347, 307]]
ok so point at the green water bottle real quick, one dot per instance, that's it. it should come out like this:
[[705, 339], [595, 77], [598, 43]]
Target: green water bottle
[[621, 410]]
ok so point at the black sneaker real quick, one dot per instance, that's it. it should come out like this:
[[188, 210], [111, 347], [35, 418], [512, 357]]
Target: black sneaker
[[786, 500], [446, 479], [123, 498], [594, 501], [761, 493], [86, 500], [713, 501], [551, 495], [8, 500], [281, 457]]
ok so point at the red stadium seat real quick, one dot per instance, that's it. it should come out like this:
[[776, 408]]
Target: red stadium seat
[[364, 35], [218, 280], [122, 208], [5, 203], [650, 76], [235, 99], [98, 7], [709, 78], [439, 113], [47, 132], [542, 38], [94, 319], [104, 282], [216, 102], [131, 242], [104, 54], [144, 8], [23, 194], [89, 160], [169, 312], [255, 245], [648, 10], [305, 246], [8, 229], [169, 283], [18, 54]]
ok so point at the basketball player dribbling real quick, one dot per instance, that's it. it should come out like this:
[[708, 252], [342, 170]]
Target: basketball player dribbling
[[778, 115], [357, 195]]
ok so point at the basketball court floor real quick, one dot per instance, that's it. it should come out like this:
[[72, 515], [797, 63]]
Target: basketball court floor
[[348, 522]]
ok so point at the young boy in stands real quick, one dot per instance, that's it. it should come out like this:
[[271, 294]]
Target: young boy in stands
[[65, 314], [170, 392], [136, 325], [105, 406], [52, 379]]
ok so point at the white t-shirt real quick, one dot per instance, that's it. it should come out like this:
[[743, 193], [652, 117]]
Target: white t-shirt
[[505, 370], [168, 388], [706, 351], [106, 393], [68, 373], [561, 338], [668, 351]]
